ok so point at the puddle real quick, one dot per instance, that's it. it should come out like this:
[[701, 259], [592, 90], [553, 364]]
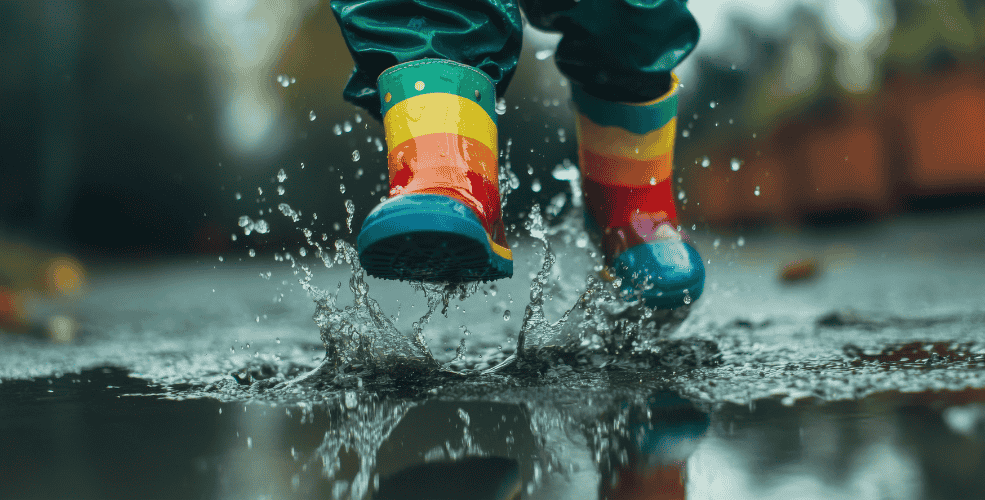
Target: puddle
[[103, 433]]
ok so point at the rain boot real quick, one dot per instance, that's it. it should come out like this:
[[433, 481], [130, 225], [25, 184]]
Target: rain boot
[[442, 221], [626, 154]]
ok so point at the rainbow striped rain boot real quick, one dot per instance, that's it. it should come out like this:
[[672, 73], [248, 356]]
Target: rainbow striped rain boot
[[626, 155], [442, 222]]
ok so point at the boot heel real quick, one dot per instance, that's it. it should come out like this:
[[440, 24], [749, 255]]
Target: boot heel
[[432, 238]]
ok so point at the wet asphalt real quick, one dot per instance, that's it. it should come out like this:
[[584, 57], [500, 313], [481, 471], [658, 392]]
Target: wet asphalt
[[861, 375]]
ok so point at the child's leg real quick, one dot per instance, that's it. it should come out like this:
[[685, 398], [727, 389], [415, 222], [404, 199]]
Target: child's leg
[[380, 34], [618, 50], [431, 71], [620, 54]]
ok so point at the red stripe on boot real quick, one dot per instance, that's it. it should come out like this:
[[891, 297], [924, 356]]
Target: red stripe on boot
[[629, 216], [450, 165]]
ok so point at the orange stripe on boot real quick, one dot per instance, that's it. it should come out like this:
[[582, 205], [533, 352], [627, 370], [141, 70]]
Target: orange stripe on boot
[[625, 171], [451, 165]]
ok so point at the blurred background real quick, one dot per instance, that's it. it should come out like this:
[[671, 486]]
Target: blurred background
[[135, 130]]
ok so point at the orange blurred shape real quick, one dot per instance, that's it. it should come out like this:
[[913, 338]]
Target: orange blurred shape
[[846, 164], [799, 271], [946, 126], [13, 310], [660, 483], [762, 188], [718, 198], [64, 276]]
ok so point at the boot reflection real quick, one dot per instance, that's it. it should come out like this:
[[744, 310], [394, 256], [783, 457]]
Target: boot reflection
[[647, 460]]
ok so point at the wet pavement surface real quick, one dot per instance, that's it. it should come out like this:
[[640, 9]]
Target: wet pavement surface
[[861, 375]]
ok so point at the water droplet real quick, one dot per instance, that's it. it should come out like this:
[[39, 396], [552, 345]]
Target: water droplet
[[249, 440], [347, 127], [717, 243], [741, 241], [239, 196], [359, 118], [337, 129], [506, 315], [350, 400], [705, 161], [284, 80], [303, 251], [756, 192], [281, 175], [686, 133], [712, 104], [535, 186], [653, 181], [288, 211], [355, 155], [342, 188], [379, 144], [311, 115], [501, 106], [252, 252], [687, 297], [680, 195], [260, 190], [280, 190], [220, 258], [736, 164], [350, 208], [543, 54]]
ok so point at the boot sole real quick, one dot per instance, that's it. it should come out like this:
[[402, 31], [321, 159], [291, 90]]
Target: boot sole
[[431, 238]]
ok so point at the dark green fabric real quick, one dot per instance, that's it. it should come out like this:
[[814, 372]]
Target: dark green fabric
[[438, 75], [616, 50], [484, 34]]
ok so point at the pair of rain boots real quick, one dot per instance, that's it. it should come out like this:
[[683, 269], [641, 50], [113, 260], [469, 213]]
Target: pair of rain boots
[[443, 221]]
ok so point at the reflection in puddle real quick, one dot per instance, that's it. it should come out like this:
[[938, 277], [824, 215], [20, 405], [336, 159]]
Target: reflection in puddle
[[105, 434]]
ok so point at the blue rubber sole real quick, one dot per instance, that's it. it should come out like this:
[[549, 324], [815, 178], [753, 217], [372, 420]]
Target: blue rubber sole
[[432, 238]]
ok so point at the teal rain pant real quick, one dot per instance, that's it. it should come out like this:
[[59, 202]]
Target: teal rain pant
[[616, 50]]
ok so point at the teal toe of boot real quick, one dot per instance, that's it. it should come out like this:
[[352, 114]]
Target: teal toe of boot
[[666, 273]]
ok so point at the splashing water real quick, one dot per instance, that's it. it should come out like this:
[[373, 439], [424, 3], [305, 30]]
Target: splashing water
[[288, 211], [249, 225], [375, 420], [350, 209]]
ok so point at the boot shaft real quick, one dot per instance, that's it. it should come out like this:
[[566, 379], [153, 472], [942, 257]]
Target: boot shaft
[[626, 153], [440, 123]]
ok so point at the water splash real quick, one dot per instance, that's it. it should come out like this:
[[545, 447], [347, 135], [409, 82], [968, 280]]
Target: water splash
[[361, 334], [366, 424], [249, 225]]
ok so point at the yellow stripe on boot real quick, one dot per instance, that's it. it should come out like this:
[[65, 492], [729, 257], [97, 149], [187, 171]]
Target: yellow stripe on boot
[[629, 159]]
